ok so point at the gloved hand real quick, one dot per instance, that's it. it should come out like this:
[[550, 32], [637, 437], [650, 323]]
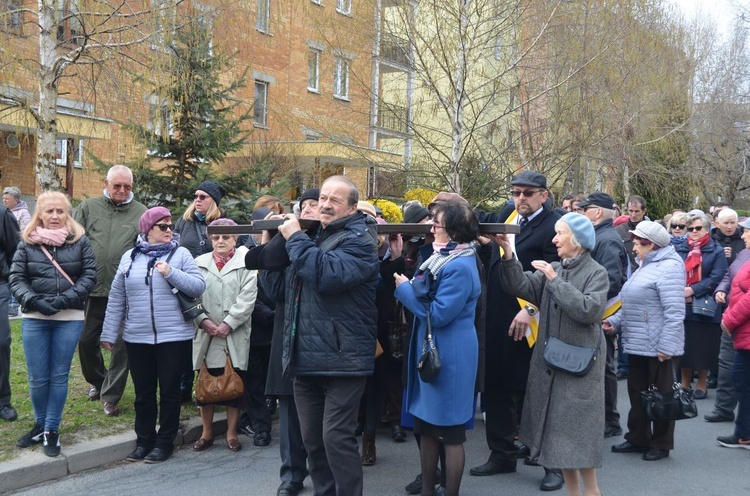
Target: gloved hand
[[60, 302], [44, 307]]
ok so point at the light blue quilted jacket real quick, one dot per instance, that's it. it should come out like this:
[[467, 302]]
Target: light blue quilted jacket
[[653, 306]]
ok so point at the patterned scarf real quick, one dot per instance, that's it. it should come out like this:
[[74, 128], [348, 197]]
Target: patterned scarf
[[222, 261], [152, 250], [443, 254], [695, 259], [49, 237]]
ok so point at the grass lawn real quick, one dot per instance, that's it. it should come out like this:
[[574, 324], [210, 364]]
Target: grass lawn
[[82, 419]]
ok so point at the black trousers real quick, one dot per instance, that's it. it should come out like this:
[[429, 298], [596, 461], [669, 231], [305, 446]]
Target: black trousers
[[152, 366], [255, 388], [611, 415], [643, 372], [327, 408], [5, 391], [503, 411]]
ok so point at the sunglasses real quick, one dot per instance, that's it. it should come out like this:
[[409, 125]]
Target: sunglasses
[[527, 193], [695, 229], [225, 237], [200, 197], [164, 227], [126, 187], [679, 226]]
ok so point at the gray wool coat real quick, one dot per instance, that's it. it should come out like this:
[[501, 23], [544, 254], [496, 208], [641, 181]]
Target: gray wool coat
[[563, 415]]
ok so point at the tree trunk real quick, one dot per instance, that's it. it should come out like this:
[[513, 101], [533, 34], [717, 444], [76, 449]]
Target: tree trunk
[[46, 167]]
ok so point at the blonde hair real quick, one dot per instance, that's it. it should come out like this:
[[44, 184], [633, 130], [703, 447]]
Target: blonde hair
[[271, 203], [213, 213], [75, 229]]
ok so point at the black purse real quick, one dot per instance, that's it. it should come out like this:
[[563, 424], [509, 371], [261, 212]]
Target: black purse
[[429, 363], [665, 407], [191, 307], [568, 358], [705, 306]]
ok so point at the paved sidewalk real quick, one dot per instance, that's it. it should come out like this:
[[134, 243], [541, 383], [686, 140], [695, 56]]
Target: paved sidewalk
[[34, 467]]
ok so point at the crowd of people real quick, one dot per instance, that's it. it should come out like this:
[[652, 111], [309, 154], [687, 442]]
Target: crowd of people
[[341, 328]]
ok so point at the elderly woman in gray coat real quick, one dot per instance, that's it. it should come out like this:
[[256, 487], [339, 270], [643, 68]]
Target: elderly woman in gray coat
[[651, 321], [563, 414]]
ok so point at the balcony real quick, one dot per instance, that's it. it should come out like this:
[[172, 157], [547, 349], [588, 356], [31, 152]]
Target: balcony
[[392, 118], [395, 50]]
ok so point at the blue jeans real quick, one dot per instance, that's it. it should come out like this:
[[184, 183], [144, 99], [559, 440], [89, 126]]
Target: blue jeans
[[741, 376], [49, 346]]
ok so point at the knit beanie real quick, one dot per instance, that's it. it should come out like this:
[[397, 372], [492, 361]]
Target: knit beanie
[[151, 217], [215, 191], [582, 229]]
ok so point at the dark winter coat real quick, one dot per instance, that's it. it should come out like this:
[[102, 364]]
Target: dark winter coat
[[713, 268], [193, 236], [508, 360], [609, 252], [34, 277], [563, 415], [9, 239], [330, 321], [734, 242]]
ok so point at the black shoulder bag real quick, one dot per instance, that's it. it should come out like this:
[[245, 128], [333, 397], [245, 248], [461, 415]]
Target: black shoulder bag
[[191, 307], [568, 358]]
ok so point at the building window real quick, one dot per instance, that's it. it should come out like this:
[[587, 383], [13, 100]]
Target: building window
[[341, 78], [68, 21], [264, 16], [260, 109], [344, 6], [313, 70], [10, 16], [62, 150]]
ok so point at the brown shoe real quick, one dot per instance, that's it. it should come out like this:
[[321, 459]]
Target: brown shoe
[[234, 444], [202, 444], [110, 409], [369, 455]]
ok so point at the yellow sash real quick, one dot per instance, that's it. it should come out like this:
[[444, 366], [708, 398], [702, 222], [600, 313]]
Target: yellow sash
[[612, 306], [532, 330]]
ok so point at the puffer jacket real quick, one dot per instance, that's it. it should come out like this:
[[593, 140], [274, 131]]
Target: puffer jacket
[[330, 295], [653, 306], [33, 277], [150, 311], [9, 240], [713, 268], [737, 315]]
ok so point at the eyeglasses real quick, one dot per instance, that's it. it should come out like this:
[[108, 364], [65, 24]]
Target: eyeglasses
[[678, 226], [527, 193], [579, 210], [164, 227], [695, 229], [588, 207], [126, 187], [225, 237], [200, 197], [437, 226]]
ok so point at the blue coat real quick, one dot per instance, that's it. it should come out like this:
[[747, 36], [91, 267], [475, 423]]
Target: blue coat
[[449, 399], [713, 268]]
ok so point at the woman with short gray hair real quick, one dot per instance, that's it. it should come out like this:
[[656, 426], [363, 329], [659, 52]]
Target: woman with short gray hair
[[12, 200]]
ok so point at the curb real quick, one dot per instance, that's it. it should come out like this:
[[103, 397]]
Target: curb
[[33, 467]]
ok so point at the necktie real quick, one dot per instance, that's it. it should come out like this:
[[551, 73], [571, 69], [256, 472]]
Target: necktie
[[524, 221]]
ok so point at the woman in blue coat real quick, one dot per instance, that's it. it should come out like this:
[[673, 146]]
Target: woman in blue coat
[[445, 289], [705, 266]]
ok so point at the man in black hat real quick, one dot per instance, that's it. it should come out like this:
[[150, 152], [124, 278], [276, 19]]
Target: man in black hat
[[611, 254], [507, 320]]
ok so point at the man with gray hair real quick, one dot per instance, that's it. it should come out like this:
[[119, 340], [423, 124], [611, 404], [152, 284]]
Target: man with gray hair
[[610, 253], [111, 223]]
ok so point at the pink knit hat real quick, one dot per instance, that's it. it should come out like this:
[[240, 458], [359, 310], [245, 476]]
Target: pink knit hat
[[151, 217]]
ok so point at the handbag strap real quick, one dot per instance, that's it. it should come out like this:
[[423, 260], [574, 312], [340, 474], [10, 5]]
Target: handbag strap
[[226, 350], [57, 266], [174, 290]]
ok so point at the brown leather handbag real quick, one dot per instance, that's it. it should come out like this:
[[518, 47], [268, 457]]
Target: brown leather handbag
[[215, 389]]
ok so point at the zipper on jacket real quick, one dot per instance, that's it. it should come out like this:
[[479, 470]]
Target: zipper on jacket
[[151, 292], [57, 272]]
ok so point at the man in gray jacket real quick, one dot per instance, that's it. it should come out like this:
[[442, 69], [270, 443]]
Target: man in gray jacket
[[111, 223], [610, 253]]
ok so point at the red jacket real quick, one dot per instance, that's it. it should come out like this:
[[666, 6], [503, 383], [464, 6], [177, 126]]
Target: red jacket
[[737, 315]]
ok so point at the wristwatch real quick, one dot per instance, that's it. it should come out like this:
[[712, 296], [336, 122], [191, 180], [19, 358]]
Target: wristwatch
[[530, 309]]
